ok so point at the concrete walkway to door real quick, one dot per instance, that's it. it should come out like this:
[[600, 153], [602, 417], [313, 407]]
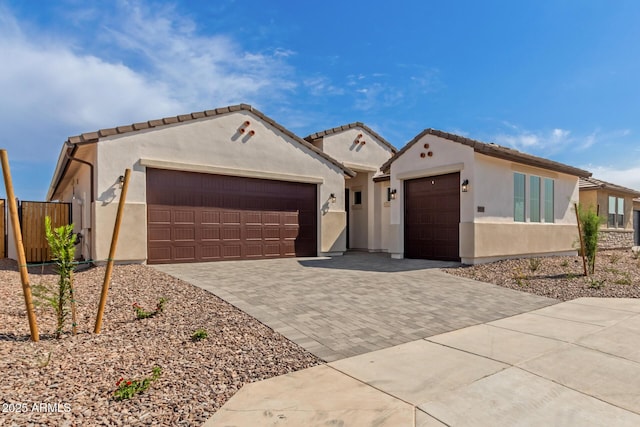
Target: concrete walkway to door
[[357, 303]]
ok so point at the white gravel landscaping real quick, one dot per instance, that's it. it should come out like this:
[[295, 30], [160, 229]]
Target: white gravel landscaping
[[71, 381]]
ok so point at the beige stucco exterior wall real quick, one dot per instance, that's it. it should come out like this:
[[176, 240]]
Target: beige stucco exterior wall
[[365, 159], [359, 214], [343, 147], [382, 209], [211, 145], [492, 234]]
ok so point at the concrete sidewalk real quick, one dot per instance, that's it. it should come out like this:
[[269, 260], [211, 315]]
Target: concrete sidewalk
[[572, 364]]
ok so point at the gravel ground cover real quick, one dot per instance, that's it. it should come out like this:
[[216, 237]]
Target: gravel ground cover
[[617, 275], [79, 373]]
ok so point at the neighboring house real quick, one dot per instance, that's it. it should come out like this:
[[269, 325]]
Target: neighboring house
[[220, 184], [366, 196], [615, 204], [460, 199]]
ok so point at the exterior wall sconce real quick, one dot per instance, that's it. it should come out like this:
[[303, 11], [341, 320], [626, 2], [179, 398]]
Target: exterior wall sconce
[[121, 181], [465, 185], [332, 198], [393, 194]]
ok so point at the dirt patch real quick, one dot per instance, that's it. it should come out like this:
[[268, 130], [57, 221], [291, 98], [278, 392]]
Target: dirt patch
[[617, 275], [79, 373]]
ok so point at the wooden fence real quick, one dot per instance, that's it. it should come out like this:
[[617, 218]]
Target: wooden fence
[[32, 216]]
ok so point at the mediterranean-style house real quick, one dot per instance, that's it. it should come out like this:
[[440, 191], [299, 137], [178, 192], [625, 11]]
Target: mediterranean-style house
[[614, 203], [231, 183]]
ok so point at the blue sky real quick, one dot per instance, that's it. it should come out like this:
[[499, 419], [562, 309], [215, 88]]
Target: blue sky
[[558, 79]]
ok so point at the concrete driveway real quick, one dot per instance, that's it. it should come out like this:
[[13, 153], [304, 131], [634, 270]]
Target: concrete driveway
[[571, 364], [345, 306], [411, 346]]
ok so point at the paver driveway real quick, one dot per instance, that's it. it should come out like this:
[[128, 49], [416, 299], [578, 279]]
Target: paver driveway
[[345, 306]]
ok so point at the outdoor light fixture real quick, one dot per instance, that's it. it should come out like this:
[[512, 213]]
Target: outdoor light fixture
[[121, 181], [332, 198], [393, 194], [465, 185]]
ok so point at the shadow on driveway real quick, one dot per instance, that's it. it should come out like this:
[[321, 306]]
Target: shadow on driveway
[[378, 262]]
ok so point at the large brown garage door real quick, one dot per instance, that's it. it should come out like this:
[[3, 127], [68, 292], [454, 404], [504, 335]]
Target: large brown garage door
[[432, 217], [194, 217]]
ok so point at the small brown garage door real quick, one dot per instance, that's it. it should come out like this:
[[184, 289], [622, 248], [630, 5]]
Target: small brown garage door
[[195, 217], [432, 217]]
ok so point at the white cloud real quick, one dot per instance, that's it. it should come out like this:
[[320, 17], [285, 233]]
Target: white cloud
[[321, 86], [377, 95], [553, 140], [629, 177], [151, 63]]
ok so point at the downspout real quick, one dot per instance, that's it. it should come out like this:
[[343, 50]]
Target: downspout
[[84, 162]]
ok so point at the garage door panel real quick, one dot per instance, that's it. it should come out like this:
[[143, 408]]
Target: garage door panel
[[432, 217], [210, 217], [159, 234], [184, 217], [229, 233], [230, 217], [253, 218], [288, 248], [210, 233], [231, 251], [253, 233], [271, 233], [160, 253], [182, 234], [185, 253], [158, 216], [210, 252], [224, 217], [272, 218]]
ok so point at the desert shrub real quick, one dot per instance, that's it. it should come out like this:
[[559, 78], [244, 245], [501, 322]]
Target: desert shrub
[[62, 241], [590, 223]]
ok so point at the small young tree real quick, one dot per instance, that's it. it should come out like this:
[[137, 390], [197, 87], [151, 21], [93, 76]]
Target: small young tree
[[590, 222], [62, 243]]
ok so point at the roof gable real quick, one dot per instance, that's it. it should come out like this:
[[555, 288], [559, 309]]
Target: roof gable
[[353, 125], [493, 150], [72, 142], [591, 183], [91, 137]]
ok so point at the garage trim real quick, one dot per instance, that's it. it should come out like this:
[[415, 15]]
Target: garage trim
[[219, 170], [421, 173]]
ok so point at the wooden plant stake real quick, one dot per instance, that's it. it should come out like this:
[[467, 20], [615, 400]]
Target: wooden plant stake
[[17, 234], [584, 259], [112, 252]]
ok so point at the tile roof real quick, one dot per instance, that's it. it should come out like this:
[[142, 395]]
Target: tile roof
[[595, 184], [93, 137], [493, 150], [342, 128]]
